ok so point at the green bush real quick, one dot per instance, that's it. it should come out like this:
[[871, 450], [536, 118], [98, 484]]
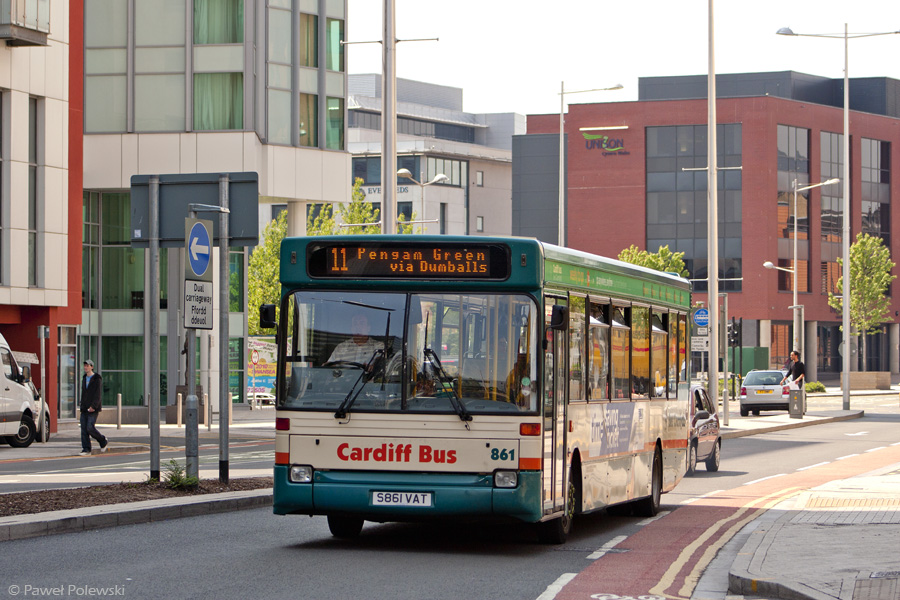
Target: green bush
[[814, 387], [175, 478]]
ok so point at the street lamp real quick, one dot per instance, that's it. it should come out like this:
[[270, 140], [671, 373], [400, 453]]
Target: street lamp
[[561, 239], [439, 178], [798, 319], [845, 241]]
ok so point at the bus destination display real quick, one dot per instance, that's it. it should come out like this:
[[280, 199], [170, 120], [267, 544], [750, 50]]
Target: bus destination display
[[408, 261]]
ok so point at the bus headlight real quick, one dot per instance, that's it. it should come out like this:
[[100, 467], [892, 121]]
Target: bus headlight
[[506, 479], [300, 474]]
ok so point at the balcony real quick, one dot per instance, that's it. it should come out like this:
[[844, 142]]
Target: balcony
[[24, 22]]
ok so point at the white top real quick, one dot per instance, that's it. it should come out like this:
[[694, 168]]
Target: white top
[[350, 350]]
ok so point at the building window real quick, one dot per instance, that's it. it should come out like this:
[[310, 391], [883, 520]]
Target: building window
[[334, 50], [122, 267], [793, 164], [218, 101], [279, 77], [68, 373], [33, 195], [479, 223], [782, 340], [832, 164], [123, 369], [334, 124], [90, 261], [236, 274], [677, 199], [479, 178], [875, 161], [218, 21], [455, 170], [309, 115], [309, 41], [105, 60]]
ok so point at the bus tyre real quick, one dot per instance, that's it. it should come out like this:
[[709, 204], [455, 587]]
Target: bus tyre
[[25, 435], [344, 527], [712, 463], [649, 506], [556, 531], [692, 459]]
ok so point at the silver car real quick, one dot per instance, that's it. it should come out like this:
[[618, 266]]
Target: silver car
[[762, 390]]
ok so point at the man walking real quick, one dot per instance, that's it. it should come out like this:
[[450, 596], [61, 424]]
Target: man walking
[[797, 371], [91, 405]]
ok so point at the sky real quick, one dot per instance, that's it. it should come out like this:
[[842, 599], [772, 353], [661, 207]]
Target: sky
[[512, 55]]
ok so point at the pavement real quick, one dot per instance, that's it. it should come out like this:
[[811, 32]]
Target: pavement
[[835, 542]]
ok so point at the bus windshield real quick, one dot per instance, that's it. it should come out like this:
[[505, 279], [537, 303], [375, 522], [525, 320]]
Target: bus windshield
[[403, 352]]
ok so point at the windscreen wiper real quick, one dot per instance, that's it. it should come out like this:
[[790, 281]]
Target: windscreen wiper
[[447, 386], [354, 392]]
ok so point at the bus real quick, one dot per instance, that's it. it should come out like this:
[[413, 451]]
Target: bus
[[454, 377]]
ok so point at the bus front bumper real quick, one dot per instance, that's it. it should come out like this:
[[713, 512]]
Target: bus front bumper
[[451, 495]]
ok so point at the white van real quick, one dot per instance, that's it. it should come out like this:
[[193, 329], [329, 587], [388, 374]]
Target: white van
[[24, 417]]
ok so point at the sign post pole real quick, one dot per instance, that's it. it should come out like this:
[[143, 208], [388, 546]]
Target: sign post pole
[[198, 314]]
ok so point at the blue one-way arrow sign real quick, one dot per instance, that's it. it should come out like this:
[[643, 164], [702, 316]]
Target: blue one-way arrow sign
[[198, 249]]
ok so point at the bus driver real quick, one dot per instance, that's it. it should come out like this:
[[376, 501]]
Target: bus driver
[[360, 348]]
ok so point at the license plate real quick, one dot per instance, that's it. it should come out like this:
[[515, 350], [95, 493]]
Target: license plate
[[401, 499], [763, 391]]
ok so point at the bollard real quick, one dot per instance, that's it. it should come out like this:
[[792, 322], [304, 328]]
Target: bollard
[[118, 411], [191, 443], [178, 410], [208, 412]]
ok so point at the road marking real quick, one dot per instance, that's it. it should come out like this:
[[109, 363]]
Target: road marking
[[764, 478], [651, 519], [848, 456], [556, 587], [896, 444], [814, 466], [607, 547], [706, 495], [858, 433], [739, 518], [875, 449]]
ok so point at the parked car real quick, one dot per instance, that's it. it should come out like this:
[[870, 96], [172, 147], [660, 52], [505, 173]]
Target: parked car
[[21, 407], [704, 439], [262, 398], [762, 390]]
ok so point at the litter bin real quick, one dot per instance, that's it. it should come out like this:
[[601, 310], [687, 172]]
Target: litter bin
[[795, 404]]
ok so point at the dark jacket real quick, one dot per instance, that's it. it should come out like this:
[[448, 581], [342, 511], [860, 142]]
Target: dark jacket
[[91, 393]]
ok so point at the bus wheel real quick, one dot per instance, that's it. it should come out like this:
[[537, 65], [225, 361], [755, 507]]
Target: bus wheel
[[556, 531], [649, 506], [344, 527]]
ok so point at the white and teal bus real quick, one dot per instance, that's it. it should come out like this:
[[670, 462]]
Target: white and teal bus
[[439, 377]]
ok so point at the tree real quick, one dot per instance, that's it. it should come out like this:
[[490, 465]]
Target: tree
[[321, 221], [870, 275], [662, 260], [360, 211], [263, 283]]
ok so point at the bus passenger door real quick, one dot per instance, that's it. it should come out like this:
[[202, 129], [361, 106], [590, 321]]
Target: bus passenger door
[[554, 410]]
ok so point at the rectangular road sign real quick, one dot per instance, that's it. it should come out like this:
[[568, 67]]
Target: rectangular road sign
[[700, 344], [198, 305]]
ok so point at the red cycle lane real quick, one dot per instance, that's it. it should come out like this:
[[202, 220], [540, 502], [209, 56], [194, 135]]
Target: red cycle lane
[[666, 558]]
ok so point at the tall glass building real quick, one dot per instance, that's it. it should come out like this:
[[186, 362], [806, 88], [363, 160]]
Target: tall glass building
[[198, 86]]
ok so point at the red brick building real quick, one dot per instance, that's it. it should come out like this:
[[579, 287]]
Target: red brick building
[[628, 186]]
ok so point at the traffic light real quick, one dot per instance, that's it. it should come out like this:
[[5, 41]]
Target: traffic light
[[734, 334]]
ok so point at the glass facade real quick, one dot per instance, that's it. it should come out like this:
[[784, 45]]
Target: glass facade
[[677, 200], [875, 161], [33, 198], [417, 127], [218, 101], [368, 168], [793, 165], [831, 150]]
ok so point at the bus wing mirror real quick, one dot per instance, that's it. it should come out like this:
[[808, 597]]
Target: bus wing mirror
[[267, 316], [559, 317]]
